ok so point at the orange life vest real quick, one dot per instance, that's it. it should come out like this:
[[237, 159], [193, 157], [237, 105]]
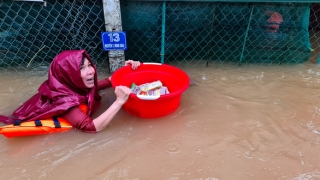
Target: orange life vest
[[38, 127]]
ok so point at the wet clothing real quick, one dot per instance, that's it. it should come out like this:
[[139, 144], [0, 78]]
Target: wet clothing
[[80, 120], [63, 90]]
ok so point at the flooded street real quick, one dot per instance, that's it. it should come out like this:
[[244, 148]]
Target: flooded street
[[233, 123]]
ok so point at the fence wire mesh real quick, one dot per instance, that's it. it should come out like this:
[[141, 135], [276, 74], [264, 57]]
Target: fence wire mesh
[[195, 33], [33, 33]]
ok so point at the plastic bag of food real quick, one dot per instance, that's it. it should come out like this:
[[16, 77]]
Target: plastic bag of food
[[155, 88]]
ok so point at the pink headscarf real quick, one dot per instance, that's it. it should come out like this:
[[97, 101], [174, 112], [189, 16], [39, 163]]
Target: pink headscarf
[[63, 89]]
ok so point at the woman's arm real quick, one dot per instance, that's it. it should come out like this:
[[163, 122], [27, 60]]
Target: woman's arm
[[122, 93], [79, 120], [104, 84]]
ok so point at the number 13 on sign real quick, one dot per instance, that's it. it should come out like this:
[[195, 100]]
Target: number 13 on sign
[[114, 41], [114, 37]]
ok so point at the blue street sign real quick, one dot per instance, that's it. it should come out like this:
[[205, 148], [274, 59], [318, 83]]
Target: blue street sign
[[114, 41]]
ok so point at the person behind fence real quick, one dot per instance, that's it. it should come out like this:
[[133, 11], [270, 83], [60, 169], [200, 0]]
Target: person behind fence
[[72, 81]]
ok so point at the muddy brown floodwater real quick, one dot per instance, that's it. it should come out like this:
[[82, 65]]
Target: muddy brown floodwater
[[244, 123]]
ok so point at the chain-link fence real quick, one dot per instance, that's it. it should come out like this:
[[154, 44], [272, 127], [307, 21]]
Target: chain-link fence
[[192, 33], [33, 33], [219, 32]]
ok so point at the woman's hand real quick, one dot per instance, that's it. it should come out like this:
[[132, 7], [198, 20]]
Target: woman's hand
[[122, 93], [134, 64]]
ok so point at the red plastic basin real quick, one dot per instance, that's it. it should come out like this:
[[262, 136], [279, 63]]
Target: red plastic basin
[[174, 78]]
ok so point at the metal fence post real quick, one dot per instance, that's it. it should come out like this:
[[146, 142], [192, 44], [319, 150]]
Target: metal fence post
[[163, 31], [112, 18]]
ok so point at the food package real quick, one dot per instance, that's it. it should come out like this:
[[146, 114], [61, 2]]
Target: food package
[[149, 86], [150, 89]]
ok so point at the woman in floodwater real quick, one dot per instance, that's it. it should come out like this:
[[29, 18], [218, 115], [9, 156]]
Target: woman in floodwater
[[72, 81]]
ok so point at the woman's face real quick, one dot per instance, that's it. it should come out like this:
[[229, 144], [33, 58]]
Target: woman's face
[[87, 73]]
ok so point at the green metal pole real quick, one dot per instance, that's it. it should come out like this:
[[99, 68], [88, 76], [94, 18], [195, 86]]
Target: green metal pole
[[163, 31], [245, 37]]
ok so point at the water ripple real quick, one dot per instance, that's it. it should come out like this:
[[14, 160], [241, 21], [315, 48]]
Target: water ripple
[[173, 147], [287, 111]]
